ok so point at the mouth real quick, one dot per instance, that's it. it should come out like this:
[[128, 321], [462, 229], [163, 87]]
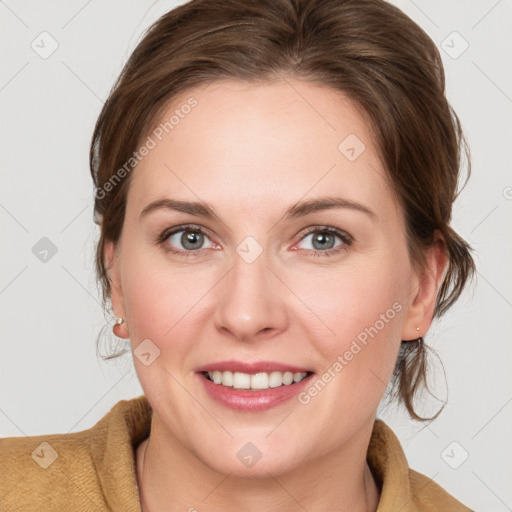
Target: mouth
[[252, 386], [255, 381]]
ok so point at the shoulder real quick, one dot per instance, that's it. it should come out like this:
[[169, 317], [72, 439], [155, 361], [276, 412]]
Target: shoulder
[[403, 488], [431, 497], [88, 470], [41, 471]]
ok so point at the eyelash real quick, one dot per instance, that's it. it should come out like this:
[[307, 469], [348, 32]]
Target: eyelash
[[345, 238]]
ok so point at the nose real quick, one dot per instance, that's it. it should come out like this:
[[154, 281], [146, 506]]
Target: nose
[[252, 301]]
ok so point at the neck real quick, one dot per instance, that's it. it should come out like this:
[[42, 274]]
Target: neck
[[337, 481]]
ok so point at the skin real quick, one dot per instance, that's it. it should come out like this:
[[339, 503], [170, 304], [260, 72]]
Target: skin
[[251, 151]]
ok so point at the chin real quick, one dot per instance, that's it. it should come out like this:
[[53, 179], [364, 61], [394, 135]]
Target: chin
[[269, 465]]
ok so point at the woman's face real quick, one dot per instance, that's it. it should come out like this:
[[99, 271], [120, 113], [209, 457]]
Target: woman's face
[[263, 171]]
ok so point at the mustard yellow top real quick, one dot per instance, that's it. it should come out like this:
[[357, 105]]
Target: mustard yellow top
[[94, 470]]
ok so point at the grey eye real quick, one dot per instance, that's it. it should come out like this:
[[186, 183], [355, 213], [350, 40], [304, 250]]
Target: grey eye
[[188, 239]]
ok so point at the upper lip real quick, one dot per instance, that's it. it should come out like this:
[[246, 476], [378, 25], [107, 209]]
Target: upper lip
[[256, 367]]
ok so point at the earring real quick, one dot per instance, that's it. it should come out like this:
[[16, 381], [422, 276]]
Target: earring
[[119, 322]]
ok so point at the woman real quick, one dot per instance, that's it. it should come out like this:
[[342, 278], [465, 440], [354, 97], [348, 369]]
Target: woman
[[274, 184]]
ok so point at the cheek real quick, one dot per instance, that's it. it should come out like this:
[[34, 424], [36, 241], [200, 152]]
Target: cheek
[[365, 312], [358, 309], [163, 301], [154, 296]]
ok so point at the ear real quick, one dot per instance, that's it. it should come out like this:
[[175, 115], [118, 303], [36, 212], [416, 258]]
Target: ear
[[111, 260], [424, 289]]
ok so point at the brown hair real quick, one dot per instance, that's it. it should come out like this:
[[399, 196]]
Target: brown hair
[[367, 49]]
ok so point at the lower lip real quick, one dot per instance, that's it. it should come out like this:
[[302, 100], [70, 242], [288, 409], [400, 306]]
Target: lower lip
[[247, 400]]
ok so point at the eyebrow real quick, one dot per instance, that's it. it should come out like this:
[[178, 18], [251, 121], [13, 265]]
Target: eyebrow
[[299, 209], [196, 208], [302, 208]]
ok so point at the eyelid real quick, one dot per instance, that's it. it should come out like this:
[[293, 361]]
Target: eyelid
[[346, 237], [184, 227]]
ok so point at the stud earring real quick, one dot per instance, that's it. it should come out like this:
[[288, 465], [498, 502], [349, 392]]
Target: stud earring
[[119, 321]]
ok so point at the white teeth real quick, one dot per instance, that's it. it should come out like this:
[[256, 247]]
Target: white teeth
[[262, 380], [287, 378], [275, 379], [241, 380], [259, 381], [227, 379]]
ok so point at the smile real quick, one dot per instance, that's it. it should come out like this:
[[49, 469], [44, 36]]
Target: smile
[[256, 381]]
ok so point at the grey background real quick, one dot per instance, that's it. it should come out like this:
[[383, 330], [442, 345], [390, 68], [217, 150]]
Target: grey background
[[50, 378]]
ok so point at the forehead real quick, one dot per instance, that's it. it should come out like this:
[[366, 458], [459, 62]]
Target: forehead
[[239, 142]]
